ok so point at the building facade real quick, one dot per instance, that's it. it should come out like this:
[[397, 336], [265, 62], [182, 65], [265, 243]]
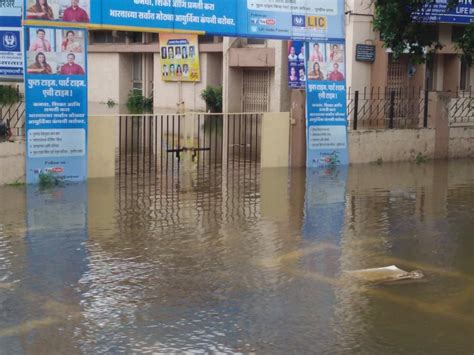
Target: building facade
[[444, 72], [252, 72]]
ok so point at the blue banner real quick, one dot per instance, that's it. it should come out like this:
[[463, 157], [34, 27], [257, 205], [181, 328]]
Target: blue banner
[[326, 104], [11, 56], [438, 12], [56, 103], [296, 65], [280, 19]]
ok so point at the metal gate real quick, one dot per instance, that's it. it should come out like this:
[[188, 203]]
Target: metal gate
[[256, 91], [160, 143]]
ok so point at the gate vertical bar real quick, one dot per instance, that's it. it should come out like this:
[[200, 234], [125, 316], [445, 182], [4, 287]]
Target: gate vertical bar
[[356, 109], [120, 148], [392, 109], [425, 111], [126, 145]]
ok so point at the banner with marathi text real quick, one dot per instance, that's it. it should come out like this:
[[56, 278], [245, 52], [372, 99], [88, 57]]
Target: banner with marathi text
[[326, 109], [179, 55], [56, 103], [279, 19]]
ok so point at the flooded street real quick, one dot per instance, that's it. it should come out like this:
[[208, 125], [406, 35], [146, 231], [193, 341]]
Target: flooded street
[[244, 263]]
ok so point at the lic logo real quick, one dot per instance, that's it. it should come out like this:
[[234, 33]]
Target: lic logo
[[298, 21], [10, 40]]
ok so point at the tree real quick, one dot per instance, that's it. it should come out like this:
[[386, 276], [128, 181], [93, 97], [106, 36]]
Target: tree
[[212, 95], [403, 27]]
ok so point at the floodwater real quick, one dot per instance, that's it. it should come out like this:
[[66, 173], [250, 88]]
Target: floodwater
[[246, 263]]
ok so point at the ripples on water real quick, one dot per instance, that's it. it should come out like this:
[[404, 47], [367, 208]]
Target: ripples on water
[[241, 263]]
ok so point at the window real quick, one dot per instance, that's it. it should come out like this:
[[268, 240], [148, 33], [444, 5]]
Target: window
[[256, 41], [431, 73], [457, 32], [135, 37], [98, 37], [137, 77], [465, 82]]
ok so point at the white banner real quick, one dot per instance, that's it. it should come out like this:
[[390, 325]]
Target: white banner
[[313, 7]]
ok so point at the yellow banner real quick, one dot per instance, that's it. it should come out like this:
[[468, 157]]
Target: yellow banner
[[179, 57]]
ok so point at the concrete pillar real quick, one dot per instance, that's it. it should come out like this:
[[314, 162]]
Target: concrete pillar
[[439, 120], [12, 162], [275, 193], [102, 143], [298, 129], [275, 140]]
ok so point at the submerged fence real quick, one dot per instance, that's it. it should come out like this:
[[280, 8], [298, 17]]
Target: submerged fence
[[164, 142], [12, 110], [386, 108], [461, 107]]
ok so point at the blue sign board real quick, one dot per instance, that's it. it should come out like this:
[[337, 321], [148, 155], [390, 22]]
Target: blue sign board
[[56, 103], [298, 19], [11, 57], [438, 12], [296, 65], [326, 101]]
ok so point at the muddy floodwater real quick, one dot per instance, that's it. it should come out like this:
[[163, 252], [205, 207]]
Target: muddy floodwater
[[241, 261]]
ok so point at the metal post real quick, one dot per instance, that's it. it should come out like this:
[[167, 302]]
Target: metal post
[[425, 112], [356, 109], [392, 109]]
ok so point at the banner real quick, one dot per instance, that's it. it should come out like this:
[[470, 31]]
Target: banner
[[326, 102], [179, 57], [438, 12], [11, 55], [295, 19], [56, 103], [296, 65], [279, 19]]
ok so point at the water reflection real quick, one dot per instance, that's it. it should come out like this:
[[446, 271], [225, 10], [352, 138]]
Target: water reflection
[[240, 262]]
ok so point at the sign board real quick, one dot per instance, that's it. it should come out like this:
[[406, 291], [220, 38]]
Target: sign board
[[179, 57], [56, 102], [11, 33], [296, 67], [279, 19], [365, 53], [438, 12], [326, 100]]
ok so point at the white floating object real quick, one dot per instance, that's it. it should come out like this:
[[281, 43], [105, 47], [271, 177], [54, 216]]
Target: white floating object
[[385, 274]]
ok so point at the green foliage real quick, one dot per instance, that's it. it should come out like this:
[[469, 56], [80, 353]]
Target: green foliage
[[111, 103], [137, 103], [421, 159], [465, 44], [17, 183], [48, 180], [9, 95], [379, 161], [212, 95], [401, 32]]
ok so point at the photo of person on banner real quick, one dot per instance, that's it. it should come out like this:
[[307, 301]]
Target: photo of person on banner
[[335, 74], [292, 56], [293, 76], [40, 44], [316, 54], [40, 65], [71, 43], [75, 13], [71, 67], [316, 73], [337, 54], [39, 10]]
